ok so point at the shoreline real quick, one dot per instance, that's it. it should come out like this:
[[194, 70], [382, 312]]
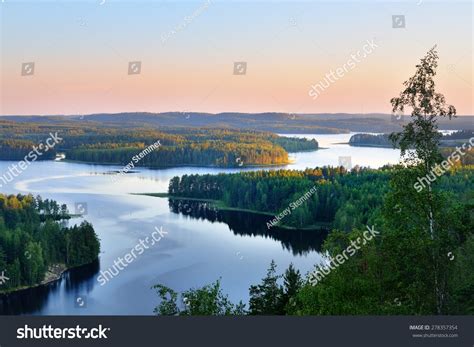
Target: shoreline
[[219, 205], [177, 166], [369, 145], [53, 274]]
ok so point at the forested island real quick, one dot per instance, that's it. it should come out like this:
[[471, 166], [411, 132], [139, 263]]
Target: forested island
[[177, 147], [345, 199], [34, 247], [454, 139], [371, 140]]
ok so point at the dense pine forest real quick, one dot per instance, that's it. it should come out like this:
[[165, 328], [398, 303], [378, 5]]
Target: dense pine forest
[[345, 199], [32, 240], [203, 147], [421, 259]]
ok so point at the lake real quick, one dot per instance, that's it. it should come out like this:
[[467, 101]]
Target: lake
[[201, 244]]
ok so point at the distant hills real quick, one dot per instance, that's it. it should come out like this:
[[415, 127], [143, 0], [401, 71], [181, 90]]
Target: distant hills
[[275, 122]]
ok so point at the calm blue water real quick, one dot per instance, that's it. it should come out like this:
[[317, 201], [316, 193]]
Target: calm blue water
[[193, 253]]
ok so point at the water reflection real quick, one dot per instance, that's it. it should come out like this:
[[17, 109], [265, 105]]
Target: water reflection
[[28, 301], [299, 242]]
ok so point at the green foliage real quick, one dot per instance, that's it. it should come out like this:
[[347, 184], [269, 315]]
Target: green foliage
[[457, 138], [462, 279], [294, 144], [436, 227], [265, 298], [167, 306], [392, 274], [378, 140], [115, 145], [207, 300], [350, 288], [409, 268], [31, 240], [340, 197], [426, 106], [82, 244], [18, 149], [292, 283]]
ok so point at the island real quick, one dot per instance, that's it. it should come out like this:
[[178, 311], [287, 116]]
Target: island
[[138, 146], [449, 139]]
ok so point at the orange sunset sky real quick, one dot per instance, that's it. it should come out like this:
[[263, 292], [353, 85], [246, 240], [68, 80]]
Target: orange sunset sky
[[187, 49]]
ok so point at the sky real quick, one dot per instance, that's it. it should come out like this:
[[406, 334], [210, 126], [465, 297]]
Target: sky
[[227, 56]]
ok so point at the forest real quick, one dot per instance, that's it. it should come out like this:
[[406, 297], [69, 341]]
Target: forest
[[379, 140], [421, 262], [347, 199], [388, 276], [276, 122], [13, 149], [113, 145], [32, 240], [450, 141]]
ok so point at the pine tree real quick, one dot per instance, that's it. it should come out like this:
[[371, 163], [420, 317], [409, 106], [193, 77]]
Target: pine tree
[[265, 298]]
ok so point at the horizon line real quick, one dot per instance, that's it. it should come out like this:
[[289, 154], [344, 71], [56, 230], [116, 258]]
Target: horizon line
[[207, 113]]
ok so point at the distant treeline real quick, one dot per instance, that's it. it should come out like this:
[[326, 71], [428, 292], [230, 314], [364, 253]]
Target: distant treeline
[[13, 149], [382, 140], [293, 144], [462, 134], [31, 240], [276, 122], [369, 140], [200, 147]]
